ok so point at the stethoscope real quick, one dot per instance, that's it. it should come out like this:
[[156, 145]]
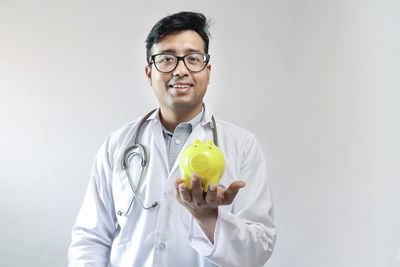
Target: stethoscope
[[138, 149]]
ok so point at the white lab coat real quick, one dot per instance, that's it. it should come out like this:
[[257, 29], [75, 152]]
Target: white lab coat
[[167, 235]]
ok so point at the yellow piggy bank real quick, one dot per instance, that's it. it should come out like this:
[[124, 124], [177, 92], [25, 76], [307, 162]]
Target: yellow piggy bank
[[205, 159]]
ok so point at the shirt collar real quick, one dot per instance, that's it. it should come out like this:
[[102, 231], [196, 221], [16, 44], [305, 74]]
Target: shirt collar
[[193, 122], [196, 120], [204, 119]]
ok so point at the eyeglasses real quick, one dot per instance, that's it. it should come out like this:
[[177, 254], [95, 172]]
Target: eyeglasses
[[165, 63]]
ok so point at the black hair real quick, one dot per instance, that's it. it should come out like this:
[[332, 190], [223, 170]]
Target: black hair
[[175, 23]]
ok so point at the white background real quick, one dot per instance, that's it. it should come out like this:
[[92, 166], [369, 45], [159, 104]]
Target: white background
[[316, 81]]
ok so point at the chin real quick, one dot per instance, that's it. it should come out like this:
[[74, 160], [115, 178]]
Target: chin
[[181, 105]]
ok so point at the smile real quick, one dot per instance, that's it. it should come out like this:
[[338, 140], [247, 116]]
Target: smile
[[181, 85], [181, 88]]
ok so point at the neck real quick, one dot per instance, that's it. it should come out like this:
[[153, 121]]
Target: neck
[[171, 118]]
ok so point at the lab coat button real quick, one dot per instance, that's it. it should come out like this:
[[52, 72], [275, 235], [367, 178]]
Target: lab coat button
[[177, 141], [162, 245]]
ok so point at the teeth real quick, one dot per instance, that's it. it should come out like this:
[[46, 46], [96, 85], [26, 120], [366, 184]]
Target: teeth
[[180, 85]]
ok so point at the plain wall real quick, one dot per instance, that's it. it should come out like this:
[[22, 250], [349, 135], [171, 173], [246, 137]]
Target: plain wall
[[316, 81]]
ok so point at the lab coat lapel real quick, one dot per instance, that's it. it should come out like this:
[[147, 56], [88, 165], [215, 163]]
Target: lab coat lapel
[[159, 141]]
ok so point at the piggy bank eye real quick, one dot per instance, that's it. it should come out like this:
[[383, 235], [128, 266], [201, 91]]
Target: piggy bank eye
[[196, 146], [210, 147]]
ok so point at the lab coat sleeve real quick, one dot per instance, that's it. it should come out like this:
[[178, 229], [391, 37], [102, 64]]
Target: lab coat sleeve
[[94, 228], [245, 235]]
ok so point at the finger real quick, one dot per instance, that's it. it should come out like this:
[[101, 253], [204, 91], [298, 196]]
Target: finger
[[177, 182], [197, 190], [232, 191], [184, 192], [211, 196]]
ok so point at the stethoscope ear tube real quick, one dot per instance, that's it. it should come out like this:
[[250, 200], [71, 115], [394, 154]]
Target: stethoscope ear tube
[[214, 129], [130, 153]]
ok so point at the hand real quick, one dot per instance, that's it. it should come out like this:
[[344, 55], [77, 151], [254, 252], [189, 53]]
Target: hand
[[204, 206]]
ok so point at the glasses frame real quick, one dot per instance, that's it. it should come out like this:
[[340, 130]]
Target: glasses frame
[[207, 59]]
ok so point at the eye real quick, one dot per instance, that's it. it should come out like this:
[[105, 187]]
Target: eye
[[166, 59], [193, 59]]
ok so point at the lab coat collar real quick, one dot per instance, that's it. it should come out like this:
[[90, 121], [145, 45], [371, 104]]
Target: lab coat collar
[[155, 115], [208, 113]]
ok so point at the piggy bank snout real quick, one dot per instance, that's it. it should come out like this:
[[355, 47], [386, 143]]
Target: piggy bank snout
[[200, 163]]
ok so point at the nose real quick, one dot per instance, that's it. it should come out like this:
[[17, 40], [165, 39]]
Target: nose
[[181, 69]]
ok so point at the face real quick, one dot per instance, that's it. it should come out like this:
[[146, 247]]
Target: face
[[179, 89]]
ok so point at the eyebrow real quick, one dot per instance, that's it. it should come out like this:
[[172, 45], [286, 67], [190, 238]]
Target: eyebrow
[[173, 51]]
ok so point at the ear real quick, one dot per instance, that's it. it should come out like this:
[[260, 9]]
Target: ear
[[147, 70], [209, 71]]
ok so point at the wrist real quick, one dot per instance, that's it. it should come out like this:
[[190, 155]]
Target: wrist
[[208, 222], [207, 219]]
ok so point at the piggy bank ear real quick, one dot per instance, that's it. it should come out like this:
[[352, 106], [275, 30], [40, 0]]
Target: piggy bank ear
[[210, 143], [196, 142]]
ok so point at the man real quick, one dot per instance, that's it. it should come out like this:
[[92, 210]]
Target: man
[[138, 216]]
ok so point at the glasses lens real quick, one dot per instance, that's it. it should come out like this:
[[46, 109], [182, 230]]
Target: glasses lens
[[165, 63], [195, 61]]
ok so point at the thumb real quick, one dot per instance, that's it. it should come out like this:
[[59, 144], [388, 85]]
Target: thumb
[[232, 191]]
